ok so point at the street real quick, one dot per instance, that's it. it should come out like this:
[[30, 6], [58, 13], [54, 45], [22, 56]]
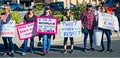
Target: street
[[56, 50]]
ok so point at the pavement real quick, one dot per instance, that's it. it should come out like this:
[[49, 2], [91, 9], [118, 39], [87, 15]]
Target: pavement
[[57, 48], [55, 52]]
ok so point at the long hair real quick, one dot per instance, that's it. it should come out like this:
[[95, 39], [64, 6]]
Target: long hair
[[32, 12], [106, 11], [50, 12], [8, 7]]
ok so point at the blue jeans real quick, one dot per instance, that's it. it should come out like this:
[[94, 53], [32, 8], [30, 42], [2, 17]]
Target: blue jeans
[[108, 34], [86, 32], [25, 45], [46, 42], [8, 44]]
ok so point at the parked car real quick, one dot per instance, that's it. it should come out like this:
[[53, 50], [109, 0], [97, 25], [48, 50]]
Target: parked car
[[59, 6], [17, 7]]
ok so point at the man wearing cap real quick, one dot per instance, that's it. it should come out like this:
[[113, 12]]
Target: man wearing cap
[[87, 18]]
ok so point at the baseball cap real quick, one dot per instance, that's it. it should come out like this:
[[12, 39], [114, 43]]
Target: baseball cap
[[89, 5]]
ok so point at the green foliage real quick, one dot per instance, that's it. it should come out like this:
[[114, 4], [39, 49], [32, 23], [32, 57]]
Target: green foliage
[[38, 7], [1, 11], [58, 15], [38, 13], [15, 16], [77, 10]]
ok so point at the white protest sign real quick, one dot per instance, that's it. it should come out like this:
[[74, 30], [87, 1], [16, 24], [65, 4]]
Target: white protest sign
[[8, 29], [71, 29], [108, 21]]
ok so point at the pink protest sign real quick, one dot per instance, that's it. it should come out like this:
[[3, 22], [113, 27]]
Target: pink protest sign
[[26, 31], [46, 25]]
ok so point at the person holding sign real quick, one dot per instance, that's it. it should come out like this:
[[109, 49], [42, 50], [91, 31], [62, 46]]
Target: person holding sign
[[87, 18], [108, 34], [29, 17], [46, 37], [68, 17], [8, 43]]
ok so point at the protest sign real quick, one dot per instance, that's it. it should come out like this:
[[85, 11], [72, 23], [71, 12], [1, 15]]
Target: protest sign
[[26, 31], [108, 21], [97, 37], [46, 25], [71, 29], [8, 29]]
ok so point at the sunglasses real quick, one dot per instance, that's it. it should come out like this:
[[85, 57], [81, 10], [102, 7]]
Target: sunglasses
[[47, 8], [5, 8]]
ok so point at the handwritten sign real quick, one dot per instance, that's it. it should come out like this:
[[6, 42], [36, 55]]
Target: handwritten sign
[[26, 31], [108, 21], [8, 29], [46, 25], [70, 29]]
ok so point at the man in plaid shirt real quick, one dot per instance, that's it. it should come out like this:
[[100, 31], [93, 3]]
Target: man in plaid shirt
[[87, 18]]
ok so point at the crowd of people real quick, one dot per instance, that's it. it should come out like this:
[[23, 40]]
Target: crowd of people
[[89, 20]]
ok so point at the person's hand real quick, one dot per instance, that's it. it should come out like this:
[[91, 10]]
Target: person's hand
[[53, 37], [83, 27], [115, 31], [4, 20], [0, 16]]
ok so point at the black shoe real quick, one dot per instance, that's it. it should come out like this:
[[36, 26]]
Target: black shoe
[[12, 54], [109, 50], [103, 50], [6, 53], [31, 51], [64, 52], [44, 54], [71, 51], [85, 50], [39, 44], [92, 49]]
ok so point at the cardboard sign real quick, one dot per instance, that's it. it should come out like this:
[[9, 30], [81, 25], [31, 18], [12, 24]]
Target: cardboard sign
[[26, 31], [71, 29], [46, 25], [108, 21], [8, 29]]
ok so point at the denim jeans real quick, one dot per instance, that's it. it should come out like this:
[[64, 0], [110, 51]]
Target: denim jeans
[[8, 44], [25, 45], [86, 32], [46, 42], [108, 34]]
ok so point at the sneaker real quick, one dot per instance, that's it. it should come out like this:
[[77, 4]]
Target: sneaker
[[71, 51], [92, 49], [85, 50], [23, 54], [44, 52], [32, 51], [6, 53], [64, 52], [102, 50], [12, 54], [109, 51], [47, 51]]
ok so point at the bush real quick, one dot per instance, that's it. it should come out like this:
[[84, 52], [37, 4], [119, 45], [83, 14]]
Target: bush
[[39, 7], [58, 15], [77, 10], [15, 16]]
